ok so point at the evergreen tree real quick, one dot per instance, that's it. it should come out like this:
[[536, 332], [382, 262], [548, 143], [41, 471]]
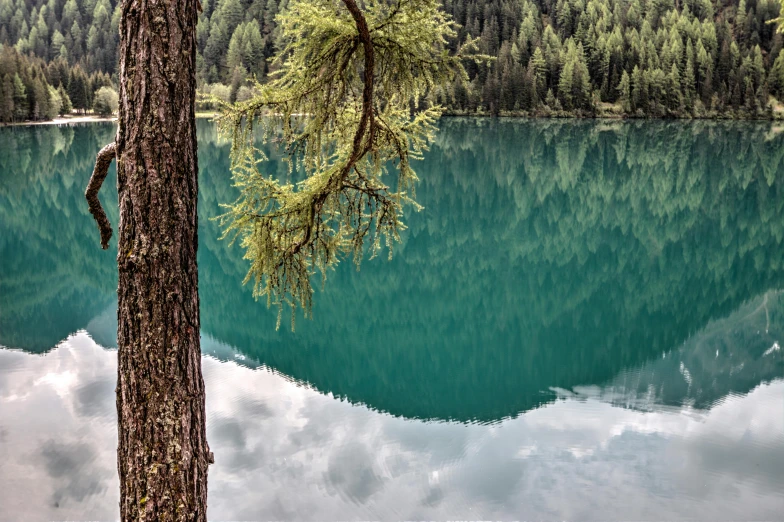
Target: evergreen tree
[[20, 99], [673, 89], [65, 101], [639, 89], [7, 99], [253, 52], [234, 58], [78, 90], [538, 68], [58, 41], [38, 98], [566, 80], [55, 103], [624, 93]]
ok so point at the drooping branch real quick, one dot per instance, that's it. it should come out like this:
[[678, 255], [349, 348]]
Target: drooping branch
[[350, 72], [361, 144], [366, 120], [102, 163]]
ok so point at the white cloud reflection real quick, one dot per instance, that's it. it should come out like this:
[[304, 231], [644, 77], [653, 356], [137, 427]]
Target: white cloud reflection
[[287, 452]]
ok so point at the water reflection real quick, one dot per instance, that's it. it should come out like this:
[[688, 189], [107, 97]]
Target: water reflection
[[287, 452], [596, 304]]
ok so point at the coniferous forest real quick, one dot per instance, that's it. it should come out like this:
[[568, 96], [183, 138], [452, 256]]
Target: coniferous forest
[[643, 58]]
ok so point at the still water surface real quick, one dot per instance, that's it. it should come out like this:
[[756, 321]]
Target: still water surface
[[584, 323]]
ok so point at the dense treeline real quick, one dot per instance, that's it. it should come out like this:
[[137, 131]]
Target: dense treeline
[[80, 31], [659, 58], [25, 93], [645, 57], [639, 57], [31, 90], [61, 51]]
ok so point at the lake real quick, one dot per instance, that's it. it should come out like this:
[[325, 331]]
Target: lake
[[584, 322]]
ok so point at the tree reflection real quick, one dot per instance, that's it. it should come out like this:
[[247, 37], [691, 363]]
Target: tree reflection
[[549, 254]]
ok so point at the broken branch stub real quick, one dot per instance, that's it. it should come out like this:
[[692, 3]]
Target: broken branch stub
[[102, 163]]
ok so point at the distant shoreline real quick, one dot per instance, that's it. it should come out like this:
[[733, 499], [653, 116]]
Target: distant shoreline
[[63, 121], [85, 119], [778, 116]]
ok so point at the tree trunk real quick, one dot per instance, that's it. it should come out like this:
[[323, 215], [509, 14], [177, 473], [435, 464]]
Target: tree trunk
[[162, 454]]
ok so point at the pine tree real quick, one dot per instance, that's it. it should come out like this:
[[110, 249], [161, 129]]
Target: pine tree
[[21, 107], [550, 99], [77, 48], [704, 70], [38, 98], [234, 57], [538, 68], [673, 89], [216, 43], [6, 99], [254, 49], [639, 89], [66, 106], [581, 83], [565, 82], [55, 103], [757, 68], [70, 15], [740, 21], [231, 13], [624, 93], [57, 43]]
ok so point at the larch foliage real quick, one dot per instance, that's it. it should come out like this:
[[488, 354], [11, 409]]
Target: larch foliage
[[779, 20], [341, 108]]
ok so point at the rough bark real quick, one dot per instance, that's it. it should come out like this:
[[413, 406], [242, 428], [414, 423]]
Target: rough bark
[[162, 454]]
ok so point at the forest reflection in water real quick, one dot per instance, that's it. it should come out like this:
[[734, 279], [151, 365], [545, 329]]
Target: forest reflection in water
[[588, 311]]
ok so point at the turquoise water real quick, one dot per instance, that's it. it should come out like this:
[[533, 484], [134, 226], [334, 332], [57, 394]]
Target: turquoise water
[[583, 323]]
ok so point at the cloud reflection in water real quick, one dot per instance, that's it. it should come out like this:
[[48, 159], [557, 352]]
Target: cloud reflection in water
[[287, 452]]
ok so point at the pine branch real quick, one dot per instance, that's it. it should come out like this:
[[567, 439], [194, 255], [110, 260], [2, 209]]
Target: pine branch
[[340, 109]]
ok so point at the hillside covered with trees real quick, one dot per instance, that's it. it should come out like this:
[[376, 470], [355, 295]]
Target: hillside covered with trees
[[656, 58], [32, 90]]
